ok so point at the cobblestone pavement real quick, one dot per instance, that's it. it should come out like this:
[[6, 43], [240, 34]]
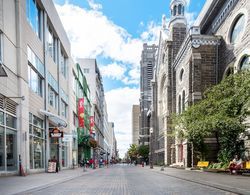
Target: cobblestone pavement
[[125, 179]]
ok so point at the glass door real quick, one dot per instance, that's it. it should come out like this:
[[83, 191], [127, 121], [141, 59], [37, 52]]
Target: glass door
[[11, 150]]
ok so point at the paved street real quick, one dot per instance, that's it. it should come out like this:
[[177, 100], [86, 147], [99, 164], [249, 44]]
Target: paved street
[[126, 179]]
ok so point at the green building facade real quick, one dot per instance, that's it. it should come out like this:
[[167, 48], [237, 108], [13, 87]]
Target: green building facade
[[82, 91]]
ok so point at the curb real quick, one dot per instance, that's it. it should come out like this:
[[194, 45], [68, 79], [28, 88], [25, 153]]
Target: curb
[[209, 184]]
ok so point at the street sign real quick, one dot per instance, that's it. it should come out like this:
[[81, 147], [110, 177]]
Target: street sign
[[67, 138], [2, 71]]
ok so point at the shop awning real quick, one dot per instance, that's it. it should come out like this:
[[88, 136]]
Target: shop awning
[[55, 118]]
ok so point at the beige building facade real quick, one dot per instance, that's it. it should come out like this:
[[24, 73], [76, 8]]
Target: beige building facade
[[35, 95], [135, 124]]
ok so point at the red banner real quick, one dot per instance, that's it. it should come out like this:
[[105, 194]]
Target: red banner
[[81, 112], [91, 124]]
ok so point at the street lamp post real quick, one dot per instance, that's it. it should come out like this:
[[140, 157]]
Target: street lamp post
[[151, 149]]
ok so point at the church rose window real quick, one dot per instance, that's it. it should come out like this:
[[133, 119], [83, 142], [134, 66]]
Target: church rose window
[[238, 29], [245, 63]]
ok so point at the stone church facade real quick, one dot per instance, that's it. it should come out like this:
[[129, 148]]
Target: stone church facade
[[189, 61]]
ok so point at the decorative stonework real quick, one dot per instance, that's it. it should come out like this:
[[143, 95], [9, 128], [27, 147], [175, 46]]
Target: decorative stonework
[[197, 42], [223, 14]]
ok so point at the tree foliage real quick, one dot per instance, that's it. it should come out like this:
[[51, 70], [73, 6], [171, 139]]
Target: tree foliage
[[221, 114], [132, 152], [143, 151]]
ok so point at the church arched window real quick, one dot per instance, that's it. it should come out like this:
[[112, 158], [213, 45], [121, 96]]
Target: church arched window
[[245, 63], [179, 104], [179, 9], [175, 9], [238, 29], [183, 100]]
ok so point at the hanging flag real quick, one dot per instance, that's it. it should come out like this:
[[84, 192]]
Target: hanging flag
[[92, 124], [81, 112]]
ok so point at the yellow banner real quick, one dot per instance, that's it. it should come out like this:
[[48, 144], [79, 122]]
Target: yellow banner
[[202, 163], [248, 165]]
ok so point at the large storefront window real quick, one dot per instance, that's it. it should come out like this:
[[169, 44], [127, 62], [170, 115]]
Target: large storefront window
[[36, 142], [8, 142], [64, 154], [11, 150]]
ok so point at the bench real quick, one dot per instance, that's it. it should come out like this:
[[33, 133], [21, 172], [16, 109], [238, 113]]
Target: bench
[[203, 164]]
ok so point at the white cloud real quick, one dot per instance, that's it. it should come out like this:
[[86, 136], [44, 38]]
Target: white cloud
[[92, 34], [119, 107], [190, 18], [114, 71], [151, 35], [94, 5], [187, 3]]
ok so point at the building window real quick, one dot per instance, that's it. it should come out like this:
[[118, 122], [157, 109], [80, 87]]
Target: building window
[[86, 70], [64, 154], [74, 81], [10, 121], [183, 100], [53, 97], [175, 10], [35, 81], [33, 14], [179, 9], [64, 109], [245, 63], [52, 44], [36, 138], [1, 47], [63, 65], [238, 29], [75, 119], [179, 104], [181, 74]]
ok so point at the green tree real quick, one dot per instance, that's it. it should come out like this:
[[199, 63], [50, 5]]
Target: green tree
[[132, 152], [143, 151], [221, 114]]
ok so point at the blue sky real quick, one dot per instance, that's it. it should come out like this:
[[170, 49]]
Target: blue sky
[[113, 32]]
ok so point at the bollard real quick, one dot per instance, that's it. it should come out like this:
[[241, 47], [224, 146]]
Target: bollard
[[162, 168]]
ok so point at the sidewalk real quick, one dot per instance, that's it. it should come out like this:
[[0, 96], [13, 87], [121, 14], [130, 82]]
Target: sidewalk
[[16, 184], [233, 183]]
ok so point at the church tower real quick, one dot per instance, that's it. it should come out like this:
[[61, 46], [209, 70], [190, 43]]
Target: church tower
[[177, 24]]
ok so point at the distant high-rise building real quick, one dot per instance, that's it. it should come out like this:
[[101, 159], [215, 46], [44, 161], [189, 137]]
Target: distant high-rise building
[[135, 124], [148, 61]]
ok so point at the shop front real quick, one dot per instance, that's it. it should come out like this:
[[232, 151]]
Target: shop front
[[57, 149], [8, 138]]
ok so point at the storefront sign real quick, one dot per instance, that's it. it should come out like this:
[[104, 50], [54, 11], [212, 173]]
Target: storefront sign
[[81, 112], [67, 138], [92, 123], [56, 133]]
